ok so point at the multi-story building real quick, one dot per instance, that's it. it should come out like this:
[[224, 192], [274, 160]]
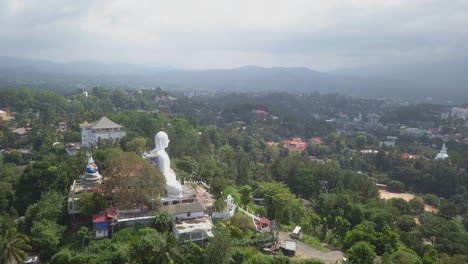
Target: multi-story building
[[460, 112], [103, 128]]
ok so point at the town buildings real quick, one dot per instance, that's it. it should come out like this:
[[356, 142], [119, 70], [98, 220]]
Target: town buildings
[[103, 128], [460, 112], [388, 142], [5, 115]]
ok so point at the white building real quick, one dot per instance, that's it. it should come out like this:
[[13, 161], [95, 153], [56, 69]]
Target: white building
[[103, 128], [191, 223], [460, 112], [389, 142], [442, 154], [90, 181]]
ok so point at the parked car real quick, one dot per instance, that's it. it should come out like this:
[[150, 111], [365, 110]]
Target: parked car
[[32, 260], [296, 233]]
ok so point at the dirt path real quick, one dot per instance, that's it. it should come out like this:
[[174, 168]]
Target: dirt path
[[306, 251]]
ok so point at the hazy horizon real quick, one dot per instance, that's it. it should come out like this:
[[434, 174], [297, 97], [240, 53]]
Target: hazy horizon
[[332, 36]]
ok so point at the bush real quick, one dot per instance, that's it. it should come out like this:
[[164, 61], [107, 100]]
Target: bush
[[432, 199], [396, 186], [361, 253]]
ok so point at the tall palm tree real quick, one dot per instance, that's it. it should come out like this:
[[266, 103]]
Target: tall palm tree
[[13, 246], [163, 222]]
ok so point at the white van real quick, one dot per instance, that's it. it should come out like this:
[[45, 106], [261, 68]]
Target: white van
[[296, 233]]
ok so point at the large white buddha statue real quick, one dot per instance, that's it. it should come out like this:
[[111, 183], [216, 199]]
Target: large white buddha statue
[[173, 186]]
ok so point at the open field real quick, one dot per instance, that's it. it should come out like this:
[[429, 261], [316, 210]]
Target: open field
[[385, 194]]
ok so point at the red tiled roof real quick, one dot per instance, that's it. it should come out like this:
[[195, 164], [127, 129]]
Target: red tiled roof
[[109, 214], [9, 150], [409, 156], [264, 221], [296, 144], [316, 139], [99, 217]]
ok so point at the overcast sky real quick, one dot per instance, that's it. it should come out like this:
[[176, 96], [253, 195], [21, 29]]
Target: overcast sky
[[321, 34]]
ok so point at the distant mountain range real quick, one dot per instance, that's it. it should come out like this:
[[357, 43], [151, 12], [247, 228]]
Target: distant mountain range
[[67, 77]]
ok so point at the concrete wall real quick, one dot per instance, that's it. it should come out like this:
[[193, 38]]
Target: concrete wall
[[183, 216]]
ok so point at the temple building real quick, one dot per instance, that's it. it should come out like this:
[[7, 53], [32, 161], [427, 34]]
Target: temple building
[[188, 204], [89, 181], [180, 201], [103, 128], [442, 154]]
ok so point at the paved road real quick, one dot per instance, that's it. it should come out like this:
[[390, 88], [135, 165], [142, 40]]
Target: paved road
[[306, 251]]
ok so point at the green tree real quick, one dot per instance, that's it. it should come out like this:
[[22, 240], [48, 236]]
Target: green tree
[[188, 165], [246, 194], [50, 207], [431, 257], [137, 145], [14, 157], [85, 235], [218, 251], [153, 247], [91, 203], [404, 256], [163, 222], [64, 256], [431, 199], [448, 209], [361, 253], [13, 246], [406, 223], [416, 205], [7, 197], [130, 178], [396, 186], [46, 236]]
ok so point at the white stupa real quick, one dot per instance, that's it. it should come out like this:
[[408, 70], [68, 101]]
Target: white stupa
[[442, 154], [91, 174]]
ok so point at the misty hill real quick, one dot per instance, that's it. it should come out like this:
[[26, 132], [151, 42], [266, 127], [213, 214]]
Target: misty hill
[[67, 77]]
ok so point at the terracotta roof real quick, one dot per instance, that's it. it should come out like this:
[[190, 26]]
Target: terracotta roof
[[409, 156], [104, 123], [99, 217], [107, 215], [183, 208], [296, 144]]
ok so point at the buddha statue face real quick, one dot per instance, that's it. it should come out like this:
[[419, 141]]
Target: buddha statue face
[[161, 140]]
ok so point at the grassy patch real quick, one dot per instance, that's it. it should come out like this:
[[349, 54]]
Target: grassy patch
[[313, 242], [287, 228]]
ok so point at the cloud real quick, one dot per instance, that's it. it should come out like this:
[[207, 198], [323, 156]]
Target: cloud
[[323, 35]]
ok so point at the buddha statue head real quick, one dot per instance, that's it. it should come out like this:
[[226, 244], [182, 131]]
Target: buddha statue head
[[161, 140]]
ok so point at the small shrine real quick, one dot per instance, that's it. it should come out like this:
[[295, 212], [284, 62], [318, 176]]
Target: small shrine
[[89, 181], [442, 154]]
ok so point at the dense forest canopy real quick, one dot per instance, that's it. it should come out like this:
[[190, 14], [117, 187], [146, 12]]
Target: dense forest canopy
[[222, 140]]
